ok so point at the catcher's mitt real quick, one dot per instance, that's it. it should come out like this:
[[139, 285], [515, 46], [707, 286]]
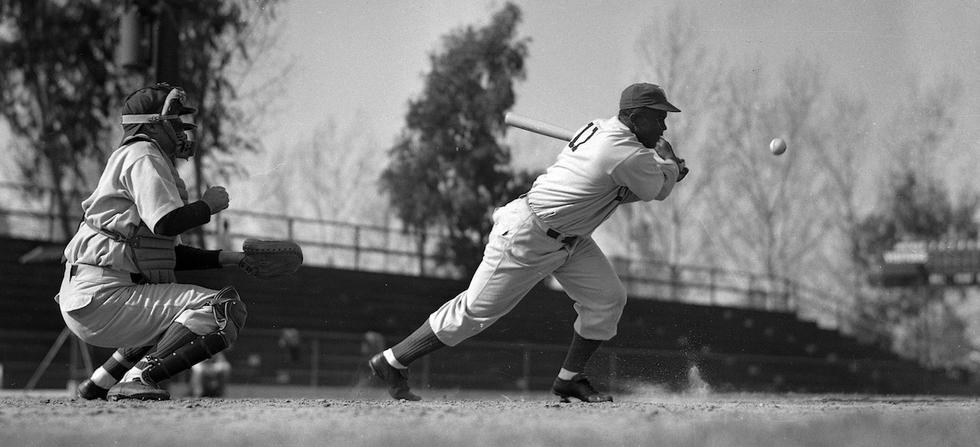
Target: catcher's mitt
[[269, 259]]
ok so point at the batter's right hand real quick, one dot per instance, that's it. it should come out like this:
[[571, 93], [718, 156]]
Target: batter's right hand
[[216, 198], [683, 170]]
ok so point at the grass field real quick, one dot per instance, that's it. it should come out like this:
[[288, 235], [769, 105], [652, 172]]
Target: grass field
[[277, 416]]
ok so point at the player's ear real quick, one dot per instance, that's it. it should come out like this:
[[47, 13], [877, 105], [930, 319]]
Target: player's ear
[[631, 121]]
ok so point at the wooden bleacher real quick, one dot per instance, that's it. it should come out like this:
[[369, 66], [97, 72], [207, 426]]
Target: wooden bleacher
[[659, 342]]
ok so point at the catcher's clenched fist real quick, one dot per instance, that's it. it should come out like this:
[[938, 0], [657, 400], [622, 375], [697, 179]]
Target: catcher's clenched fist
[[269, 259], [216, 198]]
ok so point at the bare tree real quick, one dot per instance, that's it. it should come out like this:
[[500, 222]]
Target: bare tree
[[58, 81], [920, 124], [671, 52], [769, 210], [63, 87], [741, 208], [844, 159], [331, 174], [915, 204]]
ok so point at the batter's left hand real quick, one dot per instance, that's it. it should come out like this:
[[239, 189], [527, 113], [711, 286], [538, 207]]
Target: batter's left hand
[[664, 150]]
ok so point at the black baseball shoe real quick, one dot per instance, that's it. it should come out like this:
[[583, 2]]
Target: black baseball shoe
[[579, 388], [396, 379], [88, 390], [139, 390]]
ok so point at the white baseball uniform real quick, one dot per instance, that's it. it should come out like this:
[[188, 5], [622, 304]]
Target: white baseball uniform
[[549, 231], [98, 298]]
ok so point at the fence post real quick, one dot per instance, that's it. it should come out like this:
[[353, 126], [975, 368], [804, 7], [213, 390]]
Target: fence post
[[787, 293], [357, 247], [426, 371], [289, 228], [674, 286], [613, 365], [315, 361], [712, 286], [526, 368], [420, 247]]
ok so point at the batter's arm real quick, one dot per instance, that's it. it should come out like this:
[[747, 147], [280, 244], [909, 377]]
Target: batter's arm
[[629, 197], [647, 176]]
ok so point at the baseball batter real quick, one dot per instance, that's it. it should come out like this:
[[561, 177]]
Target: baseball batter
[[548, 231], [119, 288]]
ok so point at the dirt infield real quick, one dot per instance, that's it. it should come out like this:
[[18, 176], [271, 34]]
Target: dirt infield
[[452, 418]]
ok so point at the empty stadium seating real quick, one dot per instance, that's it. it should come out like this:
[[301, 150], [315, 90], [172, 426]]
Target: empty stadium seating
[[659, 342]]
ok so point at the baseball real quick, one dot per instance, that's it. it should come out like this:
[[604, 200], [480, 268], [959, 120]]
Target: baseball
[[777, 146]]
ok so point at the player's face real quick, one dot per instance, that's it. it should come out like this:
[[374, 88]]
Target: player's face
[[187, 138], [649, 125]]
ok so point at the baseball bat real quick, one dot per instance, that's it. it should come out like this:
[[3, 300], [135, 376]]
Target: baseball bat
[[538, 127]]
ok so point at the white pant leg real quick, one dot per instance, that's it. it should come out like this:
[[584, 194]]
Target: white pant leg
[[124, 314], [590, 280], [518, 255]]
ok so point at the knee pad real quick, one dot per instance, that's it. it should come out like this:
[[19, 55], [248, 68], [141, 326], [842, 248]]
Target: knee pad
[[199, 321], [229, 313], [220, 323]]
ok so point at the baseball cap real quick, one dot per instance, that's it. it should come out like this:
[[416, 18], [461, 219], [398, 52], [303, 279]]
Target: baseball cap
[[150, 100], [646, 95]]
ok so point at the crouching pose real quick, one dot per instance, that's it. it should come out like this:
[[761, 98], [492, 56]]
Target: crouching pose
[[119, 288]]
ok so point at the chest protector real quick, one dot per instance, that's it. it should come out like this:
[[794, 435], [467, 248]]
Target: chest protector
[[153, 254]]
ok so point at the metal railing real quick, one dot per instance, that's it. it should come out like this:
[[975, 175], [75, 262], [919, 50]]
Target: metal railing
[[368, 247], [332, 357]]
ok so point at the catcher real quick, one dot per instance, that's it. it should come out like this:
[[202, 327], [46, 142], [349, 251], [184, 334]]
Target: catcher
[[119, 288]]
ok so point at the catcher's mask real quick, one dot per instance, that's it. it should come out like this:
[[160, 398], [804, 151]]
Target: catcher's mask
[[168, 117]]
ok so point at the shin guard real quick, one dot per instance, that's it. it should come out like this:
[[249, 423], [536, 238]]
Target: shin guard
[[180, 348]]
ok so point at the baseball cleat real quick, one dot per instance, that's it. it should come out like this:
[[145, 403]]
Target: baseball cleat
[[579, 388], [139, 390], [396, 379], [88, 390]]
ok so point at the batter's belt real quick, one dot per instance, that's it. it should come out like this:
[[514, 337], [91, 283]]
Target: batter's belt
[[564, 238]]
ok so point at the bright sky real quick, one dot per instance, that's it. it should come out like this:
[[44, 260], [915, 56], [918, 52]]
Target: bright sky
[[369, 56], [366, 59]]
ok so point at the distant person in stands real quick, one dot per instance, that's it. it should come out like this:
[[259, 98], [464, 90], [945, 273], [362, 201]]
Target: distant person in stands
[[372, 343], [119, 288], [210, 377], [224, 235], [290, 347], [548, 231]]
